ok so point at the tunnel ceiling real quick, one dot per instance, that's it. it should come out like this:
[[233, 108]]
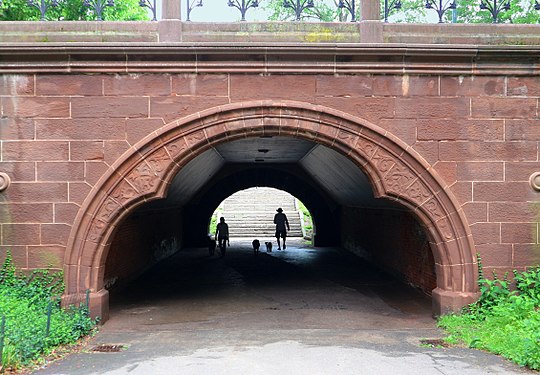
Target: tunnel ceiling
[[333, 172]]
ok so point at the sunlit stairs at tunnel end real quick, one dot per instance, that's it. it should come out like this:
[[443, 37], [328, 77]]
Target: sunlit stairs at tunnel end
[[250, 213]]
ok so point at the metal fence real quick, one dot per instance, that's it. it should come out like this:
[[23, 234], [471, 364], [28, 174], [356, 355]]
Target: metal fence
[[300, 10]]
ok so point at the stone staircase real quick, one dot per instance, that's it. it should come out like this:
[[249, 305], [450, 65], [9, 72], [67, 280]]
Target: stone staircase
[[250, 213]]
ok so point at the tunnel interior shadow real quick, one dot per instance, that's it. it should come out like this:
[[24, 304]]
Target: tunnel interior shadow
[[192, 276]]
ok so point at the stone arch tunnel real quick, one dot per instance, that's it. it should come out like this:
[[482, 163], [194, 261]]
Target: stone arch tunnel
[[435, 144], [171, 181], [336, 191]]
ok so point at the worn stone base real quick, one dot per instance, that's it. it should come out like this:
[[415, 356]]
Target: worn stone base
[[98, 303], [447, 301]]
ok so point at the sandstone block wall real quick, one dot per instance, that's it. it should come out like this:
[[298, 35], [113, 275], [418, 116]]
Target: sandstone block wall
[[393, 240], [61, 132]]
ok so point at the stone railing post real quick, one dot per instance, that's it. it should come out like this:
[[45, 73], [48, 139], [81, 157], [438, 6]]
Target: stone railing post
[[170, 25], [370, 10], [171, 10], [371, 28]]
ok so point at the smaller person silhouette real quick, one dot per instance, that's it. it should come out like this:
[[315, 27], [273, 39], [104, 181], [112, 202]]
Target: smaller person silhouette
[[282, 226], [222, 235]]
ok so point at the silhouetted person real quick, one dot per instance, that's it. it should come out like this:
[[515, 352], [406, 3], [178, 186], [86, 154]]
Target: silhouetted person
[[282, 226], [222, 234]]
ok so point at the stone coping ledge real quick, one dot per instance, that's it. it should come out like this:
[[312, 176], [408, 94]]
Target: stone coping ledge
[[266, 47], [266, 58]]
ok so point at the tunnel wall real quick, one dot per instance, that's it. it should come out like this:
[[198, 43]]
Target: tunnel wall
[[61, 133], [393, 240], [142, 240]]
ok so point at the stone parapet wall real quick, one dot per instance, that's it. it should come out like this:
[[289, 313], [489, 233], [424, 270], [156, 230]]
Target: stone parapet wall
[[167, 31], [77, 31], [464, 34]]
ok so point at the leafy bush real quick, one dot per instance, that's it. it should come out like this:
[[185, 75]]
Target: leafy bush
[[308, 221], [502, 321], [25, 301], [492, 293], [528, 283]]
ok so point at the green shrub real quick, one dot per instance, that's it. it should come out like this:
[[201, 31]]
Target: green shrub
[[528, 283], [308, 220], [492, 293], [25, 301], [502, 321]]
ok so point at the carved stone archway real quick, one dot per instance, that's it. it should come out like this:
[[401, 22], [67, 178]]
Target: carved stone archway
[[395, 170]]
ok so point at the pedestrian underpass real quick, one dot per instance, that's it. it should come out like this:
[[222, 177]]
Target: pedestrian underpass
[[376, 199], [338, 194], [300, 288]]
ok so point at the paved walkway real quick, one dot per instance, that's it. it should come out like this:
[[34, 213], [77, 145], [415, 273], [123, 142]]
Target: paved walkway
[[299, 311]]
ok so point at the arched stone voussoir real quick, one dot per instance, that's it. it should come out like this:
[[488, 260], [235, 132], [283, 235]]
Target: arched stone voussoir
[[396, 171]]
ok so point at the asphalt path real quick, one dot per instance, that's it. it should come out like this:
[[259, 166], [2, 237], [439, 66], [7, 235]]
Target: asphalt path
[[299, 311]]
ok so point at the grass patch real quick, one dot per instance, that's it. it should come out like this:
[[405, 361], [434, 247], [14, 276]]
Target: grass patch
[[505, 320], [35, 325]]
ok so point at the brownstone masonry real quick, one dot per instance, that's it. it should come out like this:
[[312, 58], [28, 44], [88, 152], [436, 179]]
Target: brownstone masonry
[[93, 135]]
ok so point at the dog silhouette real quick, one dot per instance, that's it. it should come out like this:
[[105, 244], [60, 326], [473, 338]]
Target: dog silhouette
[[256, 245]]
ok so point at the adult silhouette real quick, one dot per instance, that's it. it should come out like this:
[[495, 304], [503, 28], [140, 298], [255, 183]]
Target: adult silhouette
[[222, 235], [282, 226]]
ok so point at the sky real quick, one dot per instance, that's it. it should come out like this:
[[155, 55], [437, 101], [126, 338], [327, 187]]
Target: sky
[[218, 11]]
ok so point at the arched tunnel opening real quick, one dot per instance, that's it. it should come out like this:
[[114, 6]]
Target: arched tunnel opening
[[385, 235], [250, 214]]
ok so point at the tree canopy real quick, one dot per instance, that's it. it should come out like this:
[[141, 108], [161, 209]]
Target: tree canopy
[[72, 10], [520, 11]]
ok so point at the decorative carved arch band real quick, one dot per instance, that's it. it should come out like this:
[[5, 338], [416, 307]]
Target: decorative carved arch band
[[396, 171]]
